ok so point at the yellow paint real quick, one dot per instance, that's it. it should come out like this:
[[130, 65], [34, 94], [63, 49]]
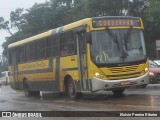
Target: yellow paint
[[34, 65], [69, 62], [38, 76], [38, 65]]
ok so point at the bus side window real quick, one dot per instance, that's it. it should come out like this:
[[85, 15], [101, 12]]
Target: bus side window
[[67, 43], [41, 49], [30, 51], [52, 46], [21, 53]]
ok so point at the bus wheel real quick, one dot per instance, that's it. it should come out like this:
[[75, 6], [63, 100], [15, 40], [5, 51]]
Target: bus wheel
[[118, 92], [71, 90], [26, 89], [36, 93]]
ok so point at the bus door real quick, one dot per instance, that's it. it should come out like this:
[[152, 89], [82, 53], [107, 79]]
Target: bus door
[[15, 69], [82, 61]]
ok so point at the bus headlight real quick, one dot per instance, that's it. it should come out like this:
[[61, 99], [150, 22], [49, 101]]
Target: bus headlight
[[98, 75], [146, 69]]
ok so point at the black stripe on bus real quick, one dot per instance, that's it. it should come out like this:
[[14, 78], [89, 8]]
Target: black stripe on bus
[[45, 85], [57, 73], [70, 69]]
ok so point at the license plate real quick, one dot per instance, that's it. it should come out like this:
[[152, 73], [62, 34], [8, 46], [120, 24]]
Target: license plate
[[125, 83]]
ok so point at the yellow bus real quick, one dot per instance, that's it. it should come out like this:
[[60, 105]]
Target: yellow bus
[[93, 54]]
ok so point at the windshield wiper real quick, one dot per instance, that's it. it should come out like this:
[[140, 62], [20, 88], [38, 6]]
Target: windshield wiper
[[124, 53], [113, 37], [124, 45], [126, 37]]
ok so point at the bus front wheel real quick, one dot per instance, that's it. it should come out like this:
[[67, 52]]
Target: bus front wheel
[[71, 90]]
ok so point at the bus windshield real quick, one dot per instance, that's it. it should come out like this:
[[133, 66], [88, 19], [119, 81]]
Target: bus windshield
[[117, 46]]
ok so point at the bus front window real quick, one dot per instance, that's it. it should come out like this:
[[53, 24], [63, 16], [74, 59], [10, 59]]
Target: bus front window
[[117, 46]]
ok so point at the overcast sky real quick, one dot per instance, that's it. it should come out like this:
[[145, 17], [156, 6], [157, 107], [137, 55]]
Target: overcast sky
[[6, 6]]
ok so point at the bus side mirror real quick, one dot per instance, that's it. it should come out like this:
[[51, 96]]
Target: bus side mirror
[[88, 38]]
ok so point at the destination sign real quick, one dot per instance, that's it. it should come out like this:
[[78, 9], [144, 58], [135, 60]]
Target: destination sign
[[116, 22]]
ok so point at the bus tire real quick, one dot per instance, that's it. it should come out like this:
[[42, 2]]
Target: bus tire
[[71, 90], [118, 92], [36, 93], [29, 93], [26, 90]]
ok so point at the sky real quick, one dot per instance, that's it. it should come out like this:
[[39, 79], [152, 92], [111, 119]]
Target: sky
[[6, 6]]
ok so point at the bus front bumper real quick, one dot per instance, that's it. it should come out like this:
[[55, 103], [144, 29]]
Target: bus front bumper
[[100, 84]]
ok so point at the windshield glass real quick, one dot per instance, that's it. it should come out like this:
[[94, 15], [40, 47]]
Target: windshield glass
[[117, 46]]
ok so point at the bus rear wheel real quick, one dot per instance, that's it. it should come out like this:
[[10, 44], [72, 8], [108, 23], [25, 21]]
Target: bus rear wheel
[[71, 90], [118, 92], [29, 93], [36, 93], [26, 90]]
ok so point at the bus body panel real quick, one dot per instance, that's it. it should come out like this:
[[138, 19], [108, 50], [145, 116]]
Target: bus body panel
[[40, 75], [68, 66]]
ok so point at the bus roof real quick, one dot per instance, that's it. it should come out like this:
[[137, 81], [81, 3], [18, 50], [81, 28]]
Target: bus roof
[[66, 27], [50, 32]]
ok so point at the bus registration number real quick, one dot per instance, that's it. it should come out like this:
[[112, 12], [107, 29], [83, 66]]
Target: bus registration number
[[125, 83]]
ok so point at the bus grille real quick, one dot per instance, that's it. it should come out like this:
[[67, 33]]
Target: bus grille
[[123, 76], [123, 69]]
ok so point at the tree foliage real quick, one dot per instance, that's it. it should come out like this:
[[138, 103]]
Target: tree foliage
[[17, 18], [5, 25], [56, 13]]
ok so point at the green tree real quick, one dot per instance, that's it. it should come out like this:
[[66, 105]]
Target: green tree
[[137, 7], [5, 25], [17, 19], [62, 11], [38, 19], [106, 7], [152, 26]]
